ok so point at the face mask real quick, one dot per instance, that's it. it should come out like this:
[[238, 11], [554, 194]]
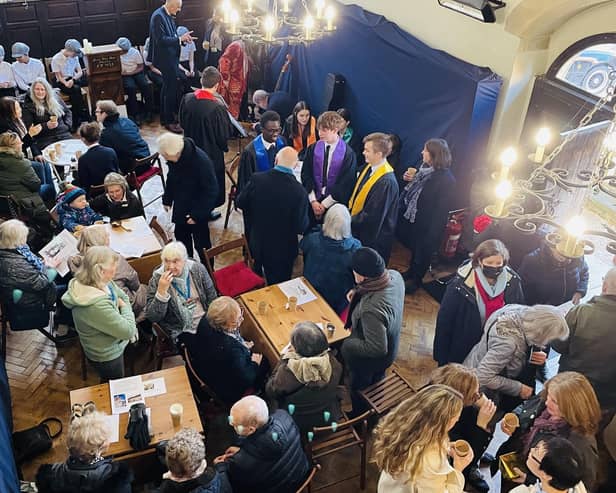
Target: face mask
[[492, 272]]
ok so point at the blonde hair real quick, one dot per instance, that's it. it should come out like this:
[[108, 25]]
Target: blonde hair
[[185, 453], [88, 436], [381, 142], [577, 401], [170, 144], [459, 378], [173, 250], [97, 258], [50, 103], [330, 120], [221, 311], [7, 144], [95, 235], [418, 424], [13, 233]]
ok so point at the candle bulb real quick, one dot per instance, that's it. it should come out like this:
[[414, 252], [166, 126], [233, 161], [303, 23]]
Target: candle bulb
[[269, 25], [503, 191], [543, 137], [226, 11], [575, 229], [330, 13], [234, 17], [508, 157], [309, 25], [320, 4], [285, 6], [249, 6]]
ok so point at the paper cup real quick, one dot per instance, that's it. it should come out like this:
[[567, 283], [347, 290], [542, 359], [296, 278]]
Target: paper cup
[[462, 448], [52, 154], [176, 411], [481, 401], [511, 420], [292, 302], [58, 148], [53, 118], [411, 171], [78, 154], [262, 307]]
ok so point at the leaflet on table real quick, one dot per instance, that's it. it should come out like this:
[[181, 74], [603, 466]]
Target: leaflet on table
[[296, 287], [125, 249], [124, 393], [59, 250], [153, 387], [112, 423]]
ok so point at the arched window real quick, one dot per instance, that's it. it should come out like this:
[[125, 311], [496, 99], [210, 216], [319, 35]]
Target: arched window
[[587, 64]]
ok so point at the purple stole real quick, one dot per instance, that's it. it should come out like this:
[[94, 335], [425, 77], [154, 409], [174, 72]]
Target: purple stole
[[335, 165]]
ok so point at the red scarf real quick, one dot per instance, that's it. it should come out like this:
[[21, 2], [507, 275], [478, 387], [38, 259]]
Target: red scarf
[[491, 304], [203, 94]]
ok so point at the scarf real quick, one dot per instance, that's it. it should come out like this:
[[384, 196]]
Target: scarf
[[542, 426], [412, 191], [309, 369], [489, 298], [32, 259], [333, 170], [347, 135], [181, 282], [305, 137], [370, 285], [263, 162], [358, 198]]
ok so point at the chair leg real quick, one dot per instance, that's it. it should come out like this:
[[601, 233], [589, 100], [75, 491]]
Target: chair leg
[[228, 213], [362, 472], [84, 364], [138, 189], [5, 328]]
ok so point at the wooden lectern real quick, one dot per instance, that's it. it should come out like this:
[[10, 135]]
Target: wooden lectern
[[105, 74]]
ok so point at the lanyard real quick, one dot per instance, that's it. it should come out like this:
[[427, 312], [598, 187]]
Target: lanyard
[[111, 293], [186, 294]]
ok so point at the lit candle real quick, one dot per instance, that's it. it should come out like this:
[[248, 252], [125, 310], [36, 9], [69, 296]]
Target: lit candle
[[543, 137], [610, 141], [235, 17], [269, 24], [330, 13], [503, 191], [285, 6], [508, 157], [309, 25], [575, 228], [249, 6], [320, 6], [226, 10]]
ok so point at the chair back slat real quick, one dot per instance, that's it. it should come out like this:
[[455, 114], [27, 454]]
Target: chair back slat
[[145, 266]]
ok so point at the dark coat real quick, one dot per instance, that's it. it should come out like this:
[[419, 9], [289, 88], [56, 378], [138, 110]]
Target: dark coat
[[221, 361], [310, 400], [131, 207], [39, 293], [267, 465], [74, 477], [27, 141], [164, 52], [211, 481], [248, 164], [191, 185], [47, 136], [548, 283], [18, 179], [458, 324], [122, 135], [95, 164], [282, 103]]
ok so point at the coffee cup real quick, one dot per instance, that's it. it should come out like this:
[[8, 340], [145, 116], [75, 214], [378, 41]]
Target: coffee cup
[[511, 420], [176, 411], [462, 448], [331, 328], [262, 307], [58, 148], [481, 401], [52, 155], [292, 303], [411, 172], [78, 154], [53, 118]]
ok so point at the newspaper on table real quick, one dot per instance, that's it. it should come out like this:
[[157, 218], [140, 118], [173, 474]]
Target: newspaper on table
[[296, 287], [59, 250], [124, 393]]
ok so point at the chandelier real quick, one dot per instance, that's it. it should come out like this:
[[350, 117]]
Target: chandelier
[[517, 200], [244, 21]]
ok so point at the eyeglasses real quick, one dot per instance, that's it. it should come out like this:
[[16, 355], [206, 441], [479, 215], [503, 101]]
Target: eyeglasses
[[98, 111]]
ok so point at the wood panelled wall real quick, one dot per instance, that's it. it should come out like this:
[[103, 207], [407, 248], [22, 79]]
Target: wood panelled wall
[[46, 24]]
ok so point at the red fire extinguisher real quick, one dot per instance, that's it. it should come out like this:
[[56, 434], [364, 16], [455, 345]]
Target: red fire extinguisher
[[453, 232]]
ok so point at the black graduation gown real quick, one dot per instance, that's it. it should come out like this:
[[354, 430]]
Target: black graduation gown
[[342, 189], [375, 225], [248, 164], [207, 123], [275, 207]]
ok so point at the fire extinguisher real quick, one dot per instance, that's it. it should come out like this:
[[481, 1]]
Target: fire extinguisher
[[453, 232]]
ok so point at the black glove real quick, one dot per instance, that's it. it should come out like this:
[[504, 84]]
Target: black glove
[[137, 432]]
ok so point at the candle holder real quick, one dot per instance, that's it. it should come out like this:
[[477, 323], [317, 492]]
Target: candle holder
[[572, 248], [497, 211]]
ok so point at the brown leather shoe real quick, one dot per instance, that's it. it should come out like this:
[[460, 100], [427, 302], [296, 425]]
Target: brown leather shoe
[[175, 128]]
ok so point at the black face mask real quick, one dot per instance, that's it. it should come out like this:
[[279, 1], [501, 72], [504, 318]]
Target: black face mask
[[492, 272]]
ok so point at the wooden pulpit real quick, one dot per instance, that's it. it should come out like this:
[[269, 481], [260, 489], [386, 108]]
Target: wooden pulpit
[[105, 74]]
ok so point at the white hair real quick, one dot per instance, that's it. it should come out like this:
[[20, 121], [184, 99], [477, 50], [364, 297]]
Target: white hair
[[609, 282], [337, 222], [259, 95], [539, 323], [254, 410], [13, 233], [170, 144], [50, 103], [173, 250]]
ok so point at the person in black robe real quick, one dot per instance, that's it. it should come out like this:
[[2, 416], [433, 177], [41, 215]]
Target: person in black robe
[[374, 201], [260, 154], [207, 123], [275, 207], [329, 169]]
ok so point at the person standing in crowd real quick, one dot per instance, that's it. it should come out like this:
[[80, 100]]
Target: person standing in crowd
[[133, 79], [329, 168], [424, 206], [589, 348], [164, 53], [480, 287], [270, 458], [118, 202], [234, 66], [25, 69], [260, 154], [191, 190], [214, 40], [7, 78], [300, 129], [348, 133], [275, 208], [552, 279], [278, 101], [375, 320], [374, 201], [97, 161], [411, 445], [70, 78], [206, 121], [122, 135]]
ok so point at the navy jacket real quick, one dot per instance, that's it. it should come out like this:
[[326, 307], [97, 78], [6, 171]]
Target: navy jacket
[[94, 165], [164, 50], [458, 324], [547, 283], [123, 136], [74, 477], [213, 480]]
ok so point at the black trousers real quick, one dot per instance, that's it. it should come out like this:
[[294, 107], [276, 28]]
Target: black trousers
[[275, 269], [197, 233], [78, 107], [169, 102], [131, 84]]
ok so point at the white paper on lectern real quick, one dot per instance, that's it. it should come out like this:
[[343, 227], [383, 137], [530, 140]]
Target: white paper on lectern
[[296, 287]]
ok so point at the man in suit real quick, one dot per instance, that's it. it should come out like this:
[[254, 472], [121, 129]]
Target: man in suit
[[164, 53], [97, 161]]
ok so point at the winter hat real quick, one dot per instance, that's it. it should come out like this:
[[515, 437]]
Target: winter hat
[[123, 43], [71, 194], [182, 30], [72, 45], [19, 50], [368, 263]]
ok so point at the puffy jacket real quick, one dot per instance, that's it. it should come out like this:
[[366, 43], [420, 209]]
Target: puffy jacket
[[69, 217], [123, 136], [74, 477], [18, 178]]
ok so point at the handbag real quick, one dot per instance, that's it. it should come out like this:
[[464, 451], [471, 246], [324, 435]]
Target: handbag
[[34, 441]]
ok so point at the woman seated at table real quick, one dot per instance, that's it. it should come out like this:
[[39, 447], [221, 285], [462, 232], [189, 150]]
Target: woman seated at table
[[221, 357], [179, 292], [327, 257], [43, 106], [126, 278], [102, 313], [118, 202], [74, 212], [86, 469], [307, 376]]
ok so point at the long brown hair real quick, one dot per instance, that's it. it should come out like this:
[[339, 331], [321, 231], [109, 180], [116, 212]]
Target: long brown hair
[[459, 378], [439, 153]]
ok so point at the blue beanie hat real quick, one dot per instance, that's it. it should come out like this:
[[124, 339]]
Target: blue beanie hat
[[73, 45], [182, 30], [71, 194], [123, 43]]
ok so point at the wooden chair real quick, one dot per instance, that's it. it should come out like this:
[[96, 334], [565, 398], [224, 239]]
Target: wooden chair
[[329, 439], [164, 347], [231, 168], [160, 231], [9, 208], [306, 487], [145, 266], [388, 393], [236, 278], [54, 214], [96, 190], [136, 181], [51, 77]]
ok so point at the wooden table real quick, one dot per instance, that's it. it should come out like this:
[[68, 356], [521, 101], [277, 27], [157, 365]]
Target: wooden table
[[178, 390], [140, 236], [271, 332]]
